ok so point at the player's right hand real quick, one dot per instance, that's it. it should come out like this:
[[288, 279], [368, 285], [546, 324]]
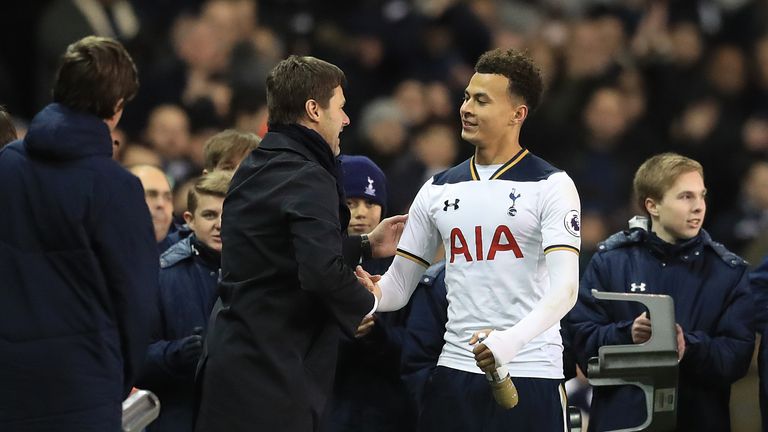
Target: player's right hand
[[483, 355]]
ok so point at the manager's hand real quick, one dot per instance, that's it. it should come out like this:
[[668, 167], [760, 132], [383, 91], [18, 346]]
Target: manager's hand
[[386, 235]]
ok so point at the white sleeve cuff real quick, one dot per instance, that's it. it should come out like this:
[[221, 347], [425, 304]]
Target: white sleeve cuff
[[375, 304], [504, 345]]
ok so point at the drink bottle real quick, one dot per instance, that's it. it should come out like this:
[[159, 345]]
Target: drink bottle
[[503, 388]]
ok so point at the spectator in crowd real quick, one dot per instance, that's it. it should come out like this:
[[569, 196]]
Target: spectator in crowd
[[132, 154], [411, 101], [434, 149], [7, 129], [249, 109], [598, 161], [366, 189], [180, 196], [65, 21], [157, 194], [745, 228], [168, 133], [594, 229], [77, 257], [676, 257], [189, 275], [222, 151], [368, 394], [383, 132], [672, 54], [285, 290], [759, 92], [226, 149]]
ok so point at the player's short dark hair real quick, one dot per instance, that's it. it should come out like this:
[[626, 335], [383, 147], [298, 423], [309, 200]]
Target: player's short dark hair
[[7, 129], [296, 80], [523, 74], [94, 74], [226, 145]]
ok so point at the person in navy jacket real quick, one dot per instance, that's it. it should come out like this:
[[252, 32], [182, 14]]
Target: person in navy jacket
[[78, 259], [189, 276], [709, 284], [758, 280]]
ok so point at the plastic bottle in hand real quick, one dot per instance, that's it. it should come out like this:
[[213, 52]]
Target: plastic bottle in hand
[[504, 390]]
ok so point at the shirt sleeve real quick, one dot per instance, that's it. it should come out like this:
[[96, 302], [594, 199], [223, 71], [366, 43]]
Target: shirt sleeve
[[416, 249], [560, 215], [420, 238], [563, 267], [560, 234]]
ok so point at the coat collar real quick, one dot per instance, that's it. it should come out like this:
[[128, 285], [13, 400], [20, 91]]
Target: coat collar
[[308, 143]]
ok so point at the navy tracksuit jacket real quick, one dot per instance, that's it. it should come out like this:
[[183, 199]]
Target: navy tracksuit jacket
[[713, 304]]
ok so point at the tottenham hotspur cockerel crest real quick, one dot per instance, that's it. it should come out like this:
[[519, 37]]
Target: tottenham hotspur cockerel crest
[[369, 190]]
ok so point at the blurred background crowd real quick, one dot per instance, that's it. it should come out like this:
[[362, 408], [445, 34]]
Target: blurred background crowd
[[625, 79]]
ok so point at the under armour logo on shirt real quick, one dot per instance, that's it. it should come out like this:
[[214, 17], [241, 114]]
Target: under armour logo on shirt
[[635, 287], [455, 205]]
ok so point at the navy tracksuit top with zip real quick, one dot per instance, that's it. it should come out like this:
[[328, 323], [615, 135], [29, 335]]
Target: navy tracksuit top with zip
[[713, 305]]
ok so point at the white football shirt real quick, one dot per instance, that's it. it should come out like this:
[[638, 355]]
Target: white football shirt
[[496, 229]]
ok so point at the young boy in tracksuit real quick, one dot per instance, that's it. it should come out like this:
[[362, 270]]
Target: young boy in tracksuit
[[709, 284], [368, 394], [189, 275]]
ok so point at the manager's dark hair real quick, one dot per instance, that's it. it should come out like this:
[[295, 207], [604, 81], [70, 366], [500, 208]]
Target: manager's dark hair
[[296, 80]]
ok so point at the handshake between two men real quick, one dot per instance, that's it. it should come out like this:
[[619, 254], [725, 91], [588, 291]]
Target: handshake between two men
[[503, 389], [383, 243], [371, 283]]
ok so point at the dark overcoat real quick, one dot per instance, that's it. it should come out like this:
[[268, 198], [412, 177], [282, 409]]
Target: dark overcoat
[[286, 291]]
